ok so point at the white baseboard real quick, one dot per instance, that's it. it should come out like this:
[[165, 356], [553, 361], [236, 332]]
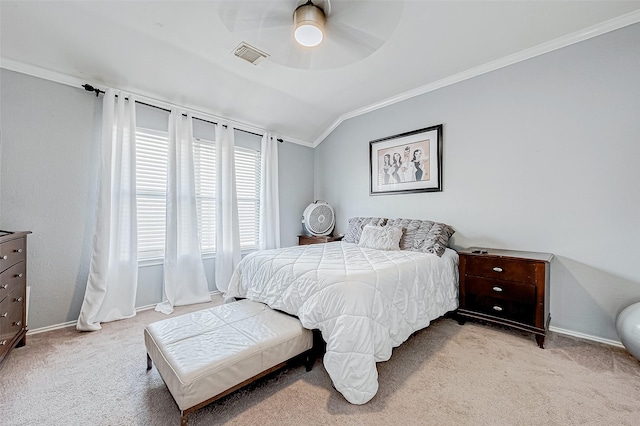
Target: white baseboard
[[586, 336], [551, 328], [51, 327], [73, 323]]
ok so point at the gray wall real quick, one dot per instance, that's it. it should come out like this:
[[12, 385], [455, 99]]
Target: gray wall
[[48, 184], [296, 189], [541, 156]]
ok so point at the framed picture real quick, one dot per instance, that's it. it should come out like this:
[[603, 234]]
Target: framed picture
[[408, 162]]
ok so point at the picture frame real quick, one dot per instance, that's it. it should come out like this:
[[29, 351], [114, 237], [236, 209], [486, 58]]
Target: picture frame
[[407, 162]]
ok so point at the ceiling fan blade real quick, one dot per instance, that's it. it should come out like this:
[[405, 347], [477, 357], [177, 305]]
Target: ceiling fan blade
[[360, 43], [376, 18], [240, 17]]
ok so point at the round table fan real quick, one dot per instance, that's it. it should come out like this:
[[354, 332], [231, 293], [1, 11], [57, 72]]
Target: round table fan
[[318, 218]]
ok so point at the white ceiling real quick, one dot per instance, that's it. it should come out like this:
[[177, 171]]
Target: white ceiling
[[180, 51]]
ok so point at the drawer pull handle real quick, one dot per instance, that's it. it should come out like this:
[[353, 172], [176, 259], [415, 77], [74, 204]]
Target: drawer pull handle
[[4, 342], [497, 308], [18, 251], [4, 286], [497, 289], [19, 299], [19, 275], [5, 257], [17, 323], [497, 269], [4, 315]]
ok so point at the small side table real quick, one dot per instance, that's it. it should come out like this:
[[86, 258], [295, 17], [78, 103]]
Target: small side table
[[304, 240], [506, 287]]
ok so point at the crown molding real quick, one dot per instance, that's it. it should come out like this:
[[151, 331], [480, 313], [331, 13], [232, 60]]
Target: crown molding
[[575, 37], [39, 72], [558, 43], [76, 82]]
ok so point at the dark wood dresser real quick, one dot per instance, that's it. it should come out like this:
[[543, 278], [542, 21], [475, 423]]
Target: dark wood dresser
[[506, 287], [13, 290], [303, 240]]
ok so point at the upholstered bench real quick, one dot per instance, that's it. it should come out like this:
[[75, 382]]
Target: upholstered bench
[[205, 355]]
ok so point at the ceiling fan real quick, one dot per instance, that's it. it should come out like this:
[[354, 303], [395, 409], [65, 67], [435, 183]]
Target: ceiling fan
[[352, 30]]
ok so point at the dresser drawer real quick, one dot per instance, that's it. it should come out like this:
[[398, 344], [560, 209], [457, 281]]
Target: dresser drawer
[[502, 290], [501, 269], [11, 252], [12, 278], [13, 285], [11, 315]]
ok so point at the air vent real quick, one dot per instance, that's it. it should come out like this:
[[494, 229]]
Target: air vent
[[249, 53]]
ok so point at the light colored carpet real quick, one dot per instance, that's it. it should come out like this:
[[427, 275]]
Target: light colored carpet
[[446, 374]]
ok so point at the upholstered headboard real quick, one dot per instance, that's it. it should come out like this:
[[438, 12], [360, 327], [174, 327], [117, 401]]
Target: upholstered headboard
[[418, 235]]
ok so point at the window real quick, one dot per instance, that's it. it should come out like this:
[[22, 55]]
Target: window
[[151, 175], [248, 189]]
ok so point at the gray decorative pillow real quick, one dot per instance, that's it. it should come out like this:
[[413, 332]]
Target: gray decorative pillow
[[423, 235], [381, 237], [357, 223]]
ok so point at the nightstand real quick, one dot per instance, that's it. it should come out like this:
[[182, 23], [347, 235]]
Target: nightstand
[[506, 287], [303, 240]]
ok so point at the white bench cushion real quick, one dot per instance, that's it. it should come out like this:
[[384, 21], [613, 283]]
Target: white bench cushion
[[204, 353]]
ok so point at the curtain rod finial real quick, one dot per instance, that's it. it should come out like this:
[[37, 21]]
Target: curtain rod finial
[[90, 88]]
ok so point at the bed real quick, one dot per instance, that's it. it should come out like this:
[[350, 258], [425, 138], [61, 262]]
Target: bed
[[364, 299]]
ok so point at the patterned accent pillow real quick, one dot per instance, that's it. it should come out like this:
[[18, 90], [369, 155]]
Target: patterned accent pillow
[[381, 237], [423, 235], [357, 223]]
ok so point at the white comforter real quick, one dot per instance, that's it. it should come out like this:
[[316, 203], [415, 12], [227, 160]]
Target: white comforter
[[364, 301]]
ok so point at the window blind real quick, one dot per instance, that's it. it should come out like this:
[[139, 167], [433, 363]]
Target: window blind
[[204, 158], [151, 188], [248, 190]]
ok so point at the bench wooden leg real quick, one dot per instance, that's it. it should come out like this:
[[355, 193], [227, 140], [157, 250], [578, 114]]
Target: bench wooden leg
[[184, 418], [149, 362]]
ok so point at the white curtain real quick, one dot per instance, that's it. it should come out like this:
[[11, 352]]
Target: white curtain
[[227, 224], [113, 273], [185, 282], [269, 237]]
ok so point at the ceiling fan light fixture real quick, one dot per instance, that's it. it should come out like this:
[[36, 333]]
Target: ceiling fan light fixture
[[309, 22]]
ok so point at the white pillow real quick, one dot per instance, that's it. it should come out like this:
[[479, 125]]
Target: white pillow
[[381, 237]]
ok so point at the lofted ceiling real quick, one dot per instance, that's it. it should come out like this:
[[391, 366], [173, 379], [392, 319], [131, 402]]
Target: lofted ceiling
[[375, 52]]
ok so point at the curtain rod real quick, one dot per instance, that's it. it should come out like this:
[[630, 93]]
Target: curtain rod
[[90, 88]]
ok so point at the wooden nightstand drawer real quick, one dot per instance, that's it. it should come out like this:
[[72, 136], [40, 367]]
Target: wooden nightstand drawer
[[512, 311], [502, 269], [501, 290]]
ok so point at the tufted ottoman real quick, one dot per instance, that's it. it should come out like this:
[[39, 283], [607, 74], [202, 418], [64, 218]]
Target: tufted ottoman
[[205, 355]]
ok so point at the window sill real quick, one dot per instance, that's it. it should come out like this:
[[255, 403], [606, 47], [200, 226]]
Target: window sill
[[207, 256], [150, 262]]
